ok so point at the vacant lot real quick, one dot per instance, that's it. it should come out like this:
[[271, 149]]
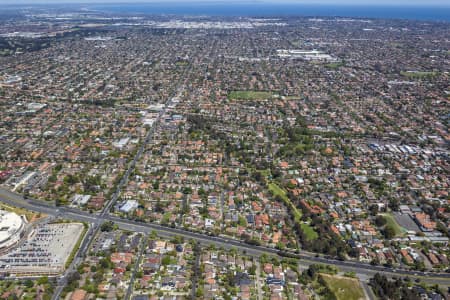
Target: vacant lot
[[344, 288], [406, 222], [419, 75], [335, 65], [391, 222], [249, 95], [277, 191], [308, 230]]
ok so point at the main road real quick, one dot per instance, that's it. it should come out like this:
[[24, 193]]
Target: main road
[[363, 270]]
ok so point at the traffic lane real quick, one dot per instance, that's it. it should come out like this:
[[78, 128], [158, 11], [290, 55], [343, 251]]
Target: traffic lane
[[81, 217], [367, 291], [18, 201], [169, 231], [362, 268], [204, 240], [358, 268], [367, 273]]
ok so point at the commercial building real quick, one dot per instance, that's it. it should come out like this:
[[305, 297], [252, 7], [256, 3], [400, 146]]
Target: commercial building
[[11, 229]]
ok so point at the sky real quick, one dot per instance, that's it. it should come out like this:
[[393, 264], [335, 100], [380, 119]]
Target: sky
[[334, 2]]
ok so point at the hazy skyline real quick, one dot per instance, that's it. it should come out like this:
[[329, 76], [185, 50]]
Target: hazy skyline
[[333, 2]]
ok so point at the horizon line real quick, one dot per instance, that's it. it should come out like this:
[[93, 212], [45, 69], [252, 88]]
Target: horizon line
[[231, 2]]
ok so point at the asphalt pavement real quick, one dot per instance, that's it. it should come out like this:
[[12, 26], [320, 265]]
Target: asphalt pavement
[[362, 270]]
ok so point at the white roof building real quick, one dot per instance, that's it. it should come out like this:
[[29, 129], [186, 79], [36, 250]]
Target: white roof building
[[81, 199], [11, 227], [128, 206]]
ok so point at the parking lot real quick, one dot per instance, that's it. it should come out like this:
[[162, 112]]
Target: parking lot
[[46, 251]]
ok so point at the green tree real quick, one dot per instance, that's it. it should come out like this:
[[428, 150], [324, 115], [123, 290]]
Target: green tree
[[380, 221], [389, 232], [107, 226], [252, 270], [29, 283], [42, 280], [165, 260], [242, 221], [199, 293], [156, 185]]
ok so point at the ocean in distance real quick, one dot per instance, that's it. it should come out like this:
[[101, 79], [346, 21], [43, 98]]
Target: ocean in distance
[[432, 13]]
